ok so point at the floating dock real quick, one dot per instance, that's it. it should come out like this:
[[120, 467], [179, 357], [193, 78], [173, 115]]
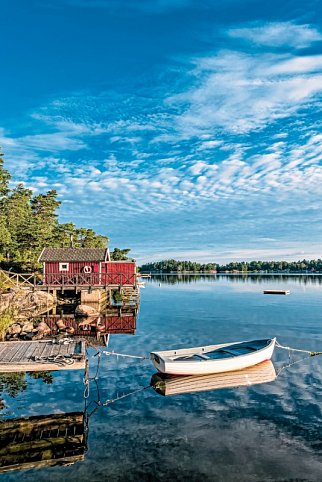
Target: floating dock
[[276, 292], [41, 355]]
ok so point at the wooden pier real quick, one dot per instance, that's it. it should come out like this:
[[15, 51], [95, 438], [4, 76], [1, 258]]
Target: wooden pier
[[41, 355]]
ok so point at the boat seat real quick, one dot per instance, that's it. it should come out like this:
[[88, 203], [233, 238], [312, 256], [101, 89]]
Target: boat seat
[[204, 357], [230, 352]]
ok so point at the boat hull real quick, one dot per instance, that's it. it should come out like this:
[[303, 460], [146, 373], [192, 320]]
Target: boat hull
[[167, 362]]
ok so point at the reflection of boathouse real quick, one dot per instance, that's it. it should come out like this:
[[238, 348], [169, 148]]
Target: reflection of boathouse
[[117, 321], [42, 441]]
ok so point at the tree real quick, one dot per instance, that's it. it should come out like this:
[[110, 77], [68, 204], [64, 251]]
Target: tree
[[119, 254], [4, 178]]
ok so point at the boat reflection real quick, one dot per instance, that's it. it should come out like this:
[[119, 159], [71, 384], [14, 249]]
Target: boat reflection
[[263, 373], [42, 441]]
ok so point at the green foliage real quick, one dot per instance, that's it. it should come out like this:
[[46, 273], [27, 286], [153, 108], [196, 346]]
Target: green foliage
[[4, 178], [28, 223], [119, 254], [173, 266], [7, 317], [117, 297]]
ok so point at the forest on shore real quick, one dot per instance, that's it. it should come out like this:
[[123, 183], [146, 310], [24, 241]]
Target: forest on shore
[[176, 266], [29, 222]]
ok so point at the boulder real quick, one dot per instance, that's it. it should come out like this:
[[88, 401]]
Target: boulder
[[14, 329], [27, 327], [86, 310]]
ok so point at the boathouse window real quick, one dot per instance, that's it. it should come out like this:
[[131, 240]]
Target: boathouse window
[[63, 266]]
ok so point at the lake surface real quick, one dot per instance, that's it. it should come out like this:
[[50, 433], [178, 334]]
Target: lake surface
[[266, 432]]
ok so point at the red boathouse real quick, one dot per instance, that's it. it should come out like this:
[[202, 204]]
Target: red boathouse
[[83, 267]]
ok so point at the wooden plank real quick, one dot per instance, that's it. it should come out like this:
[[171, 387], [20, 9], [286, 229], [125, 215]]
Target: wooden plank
[[17, 353], [30, 350], [22, 355], [40, 367], [18, 356], [2, 347], [10, 350]]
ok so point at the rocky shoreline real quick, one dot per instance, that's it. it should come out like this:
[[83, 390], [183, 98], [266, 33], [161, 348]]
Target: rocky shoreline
[[25, 303]]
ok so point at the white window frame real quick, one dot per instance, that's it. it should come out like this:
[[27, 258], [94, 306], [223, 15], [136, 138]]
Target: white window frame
[[62, 268]]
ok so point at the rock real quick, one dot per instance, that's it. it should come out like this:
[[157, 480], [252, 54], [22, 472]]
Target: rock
[[85, 310], [27, 327], [43, 328], [14, 329], [61, 325]]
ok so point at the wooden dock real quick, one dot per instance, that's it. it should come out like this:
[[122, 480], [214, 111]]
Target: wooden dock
[[41, 355], [276, 292]]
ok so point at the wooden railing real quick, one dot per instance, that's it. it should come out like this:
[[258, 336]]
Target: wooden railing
[[92, 279], [19, 279], [61, 280]]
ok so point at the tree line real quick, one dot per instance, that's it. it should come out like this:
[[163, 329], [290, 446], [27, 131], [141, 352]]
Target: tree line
[[175, 266], [29, 222]]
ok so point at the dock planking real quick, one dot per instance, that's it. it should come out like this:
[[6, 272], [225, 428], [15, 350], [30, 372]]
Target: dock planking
[[41, 355]]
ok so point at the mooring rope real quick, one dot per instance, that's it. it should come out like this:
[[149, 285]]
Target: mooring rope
[[112, 400], [59, 359], [108, 353], [309, 352]]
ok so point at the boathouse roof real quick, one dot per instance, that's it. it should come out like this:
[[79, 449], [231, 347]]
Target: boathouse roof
[[74, 254]]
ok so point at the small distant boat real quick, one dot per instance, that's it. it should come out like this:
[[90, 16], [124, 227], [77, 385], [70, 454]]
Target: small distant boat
[[141, 284], [263, 373], [276, 292], [211, 359]]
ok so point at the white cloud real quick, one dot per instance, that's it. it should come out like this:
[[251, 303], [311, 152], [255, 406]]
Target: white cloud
[[278, 34], [238, 92]]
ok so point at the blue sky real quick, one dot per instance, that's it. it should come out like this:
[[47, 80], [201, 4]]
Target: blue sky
[[180, 128]]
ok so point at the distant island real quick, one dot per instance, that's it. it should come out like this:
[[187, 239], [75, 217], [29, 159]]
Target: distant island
[[177, 266]]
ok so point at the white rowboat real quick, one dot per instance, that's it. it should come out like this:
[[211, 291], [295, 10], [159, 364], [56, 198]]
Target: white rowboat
[[210, 359], [262, 373]]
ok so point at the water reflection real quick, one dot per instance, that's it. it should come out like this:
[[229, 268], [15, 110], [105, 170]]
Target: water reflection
[[263, 373], [208, 434], [42, 441], [14, 384], [93, 329], [254, 278]]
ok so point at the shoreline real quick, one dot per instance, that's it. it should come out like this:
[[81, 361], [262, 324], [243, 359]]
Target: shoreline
[[241, 273]]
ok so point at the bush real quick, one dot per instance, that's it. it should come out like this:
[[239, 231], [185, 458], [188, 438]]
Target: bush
[[6, 319]]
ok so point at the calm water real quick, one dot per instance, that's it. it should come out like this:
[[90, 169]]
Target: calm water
[[268, 432]]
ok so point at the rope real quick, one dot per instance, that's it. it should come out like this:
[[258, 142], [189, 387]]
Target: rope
[[59, 359], [125, 356], [86, 379], [112, 400], [311, 353], [290, 364]]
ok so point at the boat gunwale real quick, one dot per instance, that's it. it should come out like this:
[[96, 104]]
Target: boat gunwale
[[167, 359]]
